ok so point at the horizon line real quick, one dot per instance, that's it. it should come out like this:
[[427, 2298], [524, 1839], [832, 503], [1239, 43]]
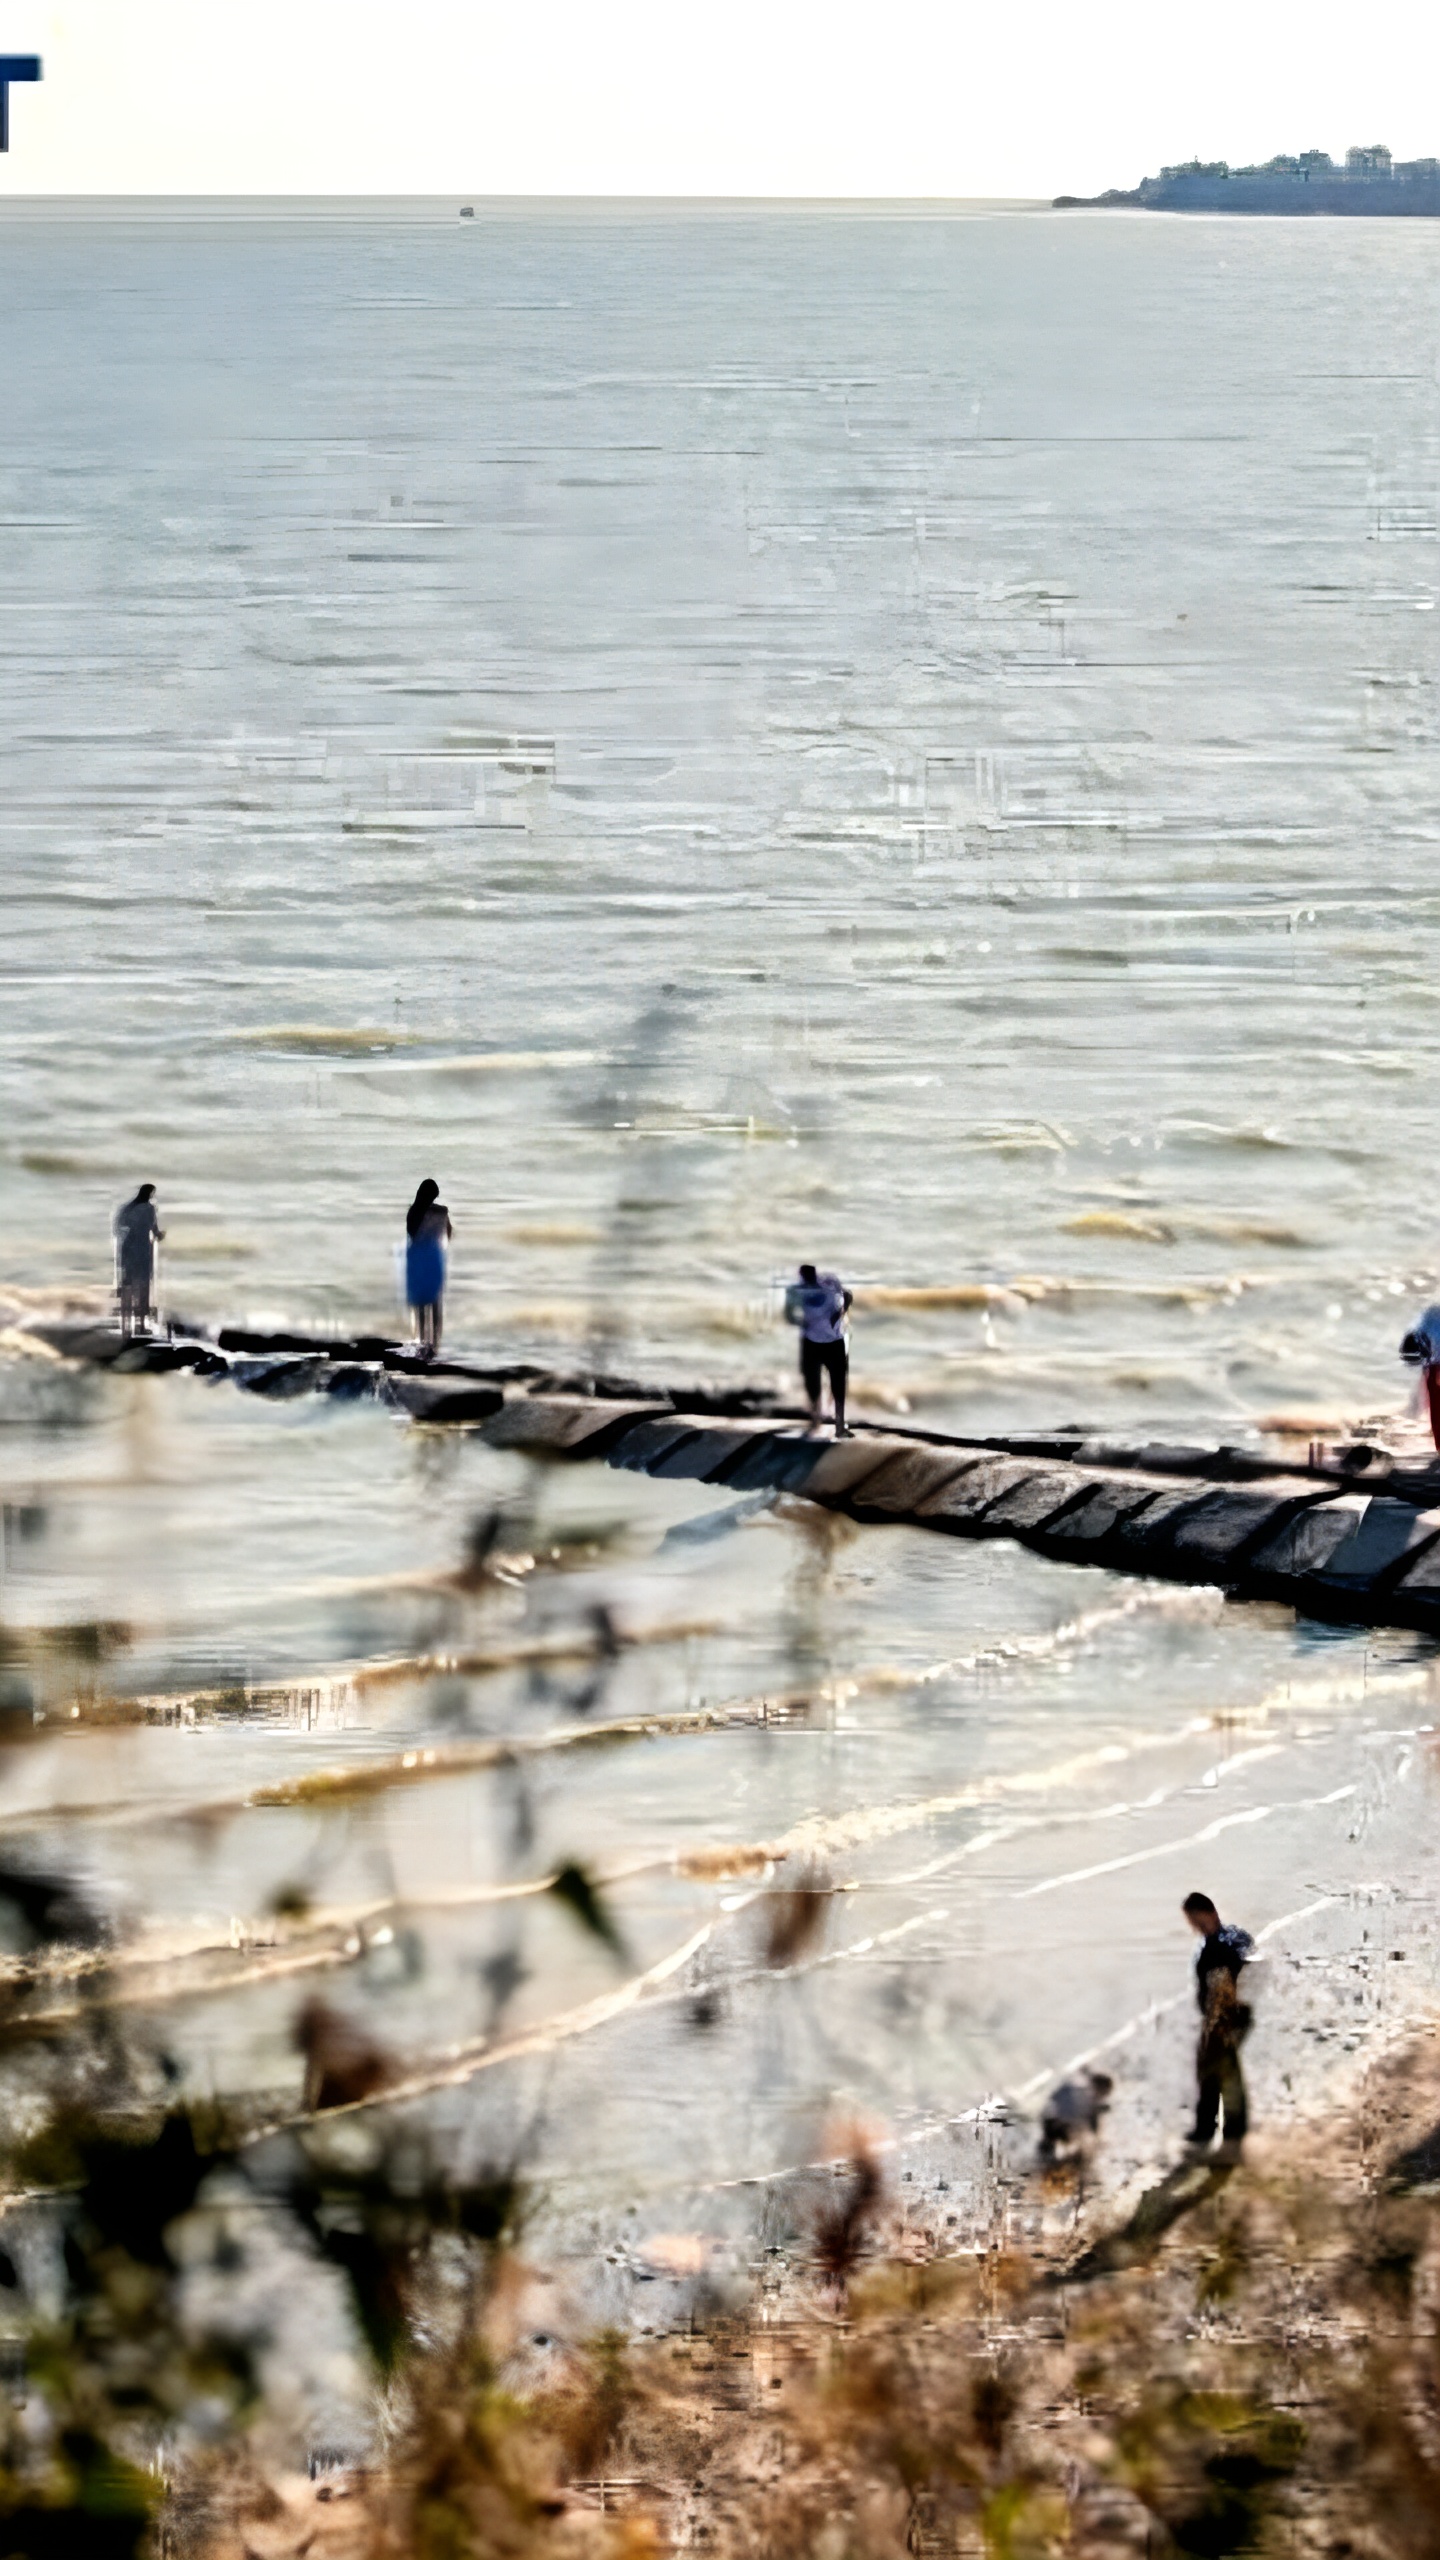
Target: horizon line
[[44, 200]]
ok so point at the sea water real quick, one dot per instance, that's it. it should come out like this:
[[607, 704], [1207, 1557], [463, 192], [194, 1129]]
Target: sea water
[[902, 739]]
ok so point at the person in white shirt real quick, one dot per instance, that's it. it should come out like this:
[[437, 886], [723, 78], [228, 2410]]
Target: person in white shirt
[[818, 1303]]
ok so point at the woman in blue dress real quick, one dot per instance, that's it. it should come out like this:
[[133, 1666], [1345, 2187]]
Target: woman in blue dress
[[427, 1233]]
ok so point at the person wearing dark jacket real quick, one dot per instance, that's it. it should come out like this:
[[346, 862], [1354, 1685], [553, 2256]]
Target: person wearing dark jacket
[[1224, 2025], [137, 1232]]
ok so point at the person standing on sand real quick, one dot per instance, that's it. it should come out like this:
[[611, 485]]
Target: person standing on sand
[[1224, 2025], [819, 1305], [137, 1232], [1421, 1348], [427, 1233]]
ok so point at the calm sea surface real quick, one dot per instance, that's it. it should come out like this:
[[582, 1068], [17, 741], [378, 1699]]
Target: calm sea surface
[[908, 741]]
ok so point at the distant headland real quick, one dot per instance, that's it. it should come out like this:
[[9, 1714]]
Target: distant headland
[[1370, 182]]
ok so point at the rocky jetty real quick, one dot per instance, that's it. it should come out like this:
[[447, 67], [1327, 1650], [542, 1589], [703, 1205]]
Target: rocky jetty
[[1354, 1535]]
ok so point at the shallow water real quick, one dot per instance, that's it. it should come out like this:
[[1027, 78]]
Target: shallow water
[[905, 739]]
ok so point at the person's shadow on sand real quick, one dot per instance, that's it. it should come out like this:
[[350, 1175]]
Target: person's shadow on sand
[[1159, 2209], [1417, 2167], [1192, 2183]]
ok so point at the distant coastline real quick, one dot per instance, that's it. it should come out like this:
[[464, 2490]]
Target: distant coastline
[[1369, 183]]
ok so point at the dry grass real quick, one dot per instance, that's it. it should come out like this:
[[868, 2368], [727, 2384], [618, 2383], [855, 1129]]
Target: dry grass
[[1252, 2364], [1248, 2361]]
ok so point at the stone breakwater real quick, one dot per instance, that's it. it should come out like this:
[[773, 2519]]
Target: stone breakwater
[[1352, 1537]]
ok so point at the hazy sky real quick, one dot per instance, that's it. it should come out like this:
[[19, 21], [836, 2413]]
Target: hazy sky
[[698, 97]]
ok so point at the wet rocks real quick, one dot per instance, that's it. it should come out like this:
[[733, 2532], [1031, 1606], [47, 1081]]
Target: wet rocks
[[1084, 1531], [1312, 1537], [644, 1446], [277, 1379], [961, 1505], [902, 1478], [707, 1456], [1032, 1504], [559, 1426], [777, 1461], [444, 1403], [1213, 1541]]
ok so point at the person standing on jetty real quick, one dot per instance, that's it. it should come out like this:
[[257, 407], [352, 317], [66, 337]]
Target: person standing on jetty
[[137, 1232], [819, 1305], [1224, 2025], [427, 1233], [1421, 1349]]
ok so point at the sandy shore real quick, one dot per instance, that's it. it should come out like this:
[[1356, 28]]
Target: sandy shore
[[1215, 2360]]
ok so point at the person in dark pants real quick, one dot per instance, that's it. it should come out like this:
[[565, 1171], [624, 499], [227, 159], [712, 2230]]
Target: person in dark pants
[[819, 1305], [137, 1232], [1224, 2025]]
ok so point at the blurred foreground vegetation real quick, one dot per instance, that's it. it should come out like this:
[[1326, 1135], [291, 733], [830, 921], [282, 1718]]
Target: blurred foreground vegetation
[[1251, 2362]]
